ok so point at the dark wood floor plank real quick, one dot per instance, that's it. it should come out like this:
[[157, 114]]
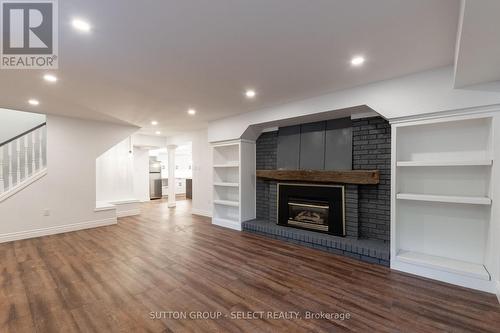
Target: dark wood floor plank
[[112, 279]]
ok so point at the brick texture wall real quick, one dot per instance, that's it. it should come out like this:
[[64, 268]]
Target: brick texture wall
[[267, 149], [372, 150], [367, 206]]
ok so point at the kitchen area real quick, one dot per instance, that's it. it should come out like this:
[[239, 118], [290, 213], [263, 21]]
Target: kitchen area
[[158, 173]]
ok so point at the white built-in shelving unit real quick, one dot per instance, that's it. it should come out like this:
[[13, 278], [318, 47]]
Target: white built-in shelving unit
[[234, 183], [442, 224]]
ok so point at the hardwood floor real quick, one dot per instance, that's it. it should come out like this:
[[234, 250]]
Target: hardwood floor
[[113, 279]]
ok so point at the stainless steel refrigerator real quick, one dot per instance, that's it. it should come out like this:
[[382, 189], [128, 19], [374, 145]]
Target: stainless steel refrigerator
[[155, 191]]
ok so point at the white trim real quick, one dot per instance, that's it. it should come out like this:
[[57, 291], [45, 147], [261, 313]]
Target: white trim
[[235, 225], [130, 212], [270, 129], [9, 237], [123, 202], [442, 115], [225, 143], [101, 206], [201, 212], [362, 115], [21, 186]]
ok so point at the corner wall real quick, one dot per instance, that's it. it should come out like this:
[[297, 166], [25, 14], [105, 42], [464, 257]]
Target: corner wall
[[141, 174], [202, 169], [371, 140], [115, 174], [68, 191]]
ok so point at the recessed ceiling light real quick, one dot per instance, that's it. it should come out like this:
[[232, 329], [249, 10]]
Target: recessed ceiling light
[[50, 78], [154, 123], [81, 25], [192, 112], [158, 132], [357, 61], [33, 102], [250, 93]]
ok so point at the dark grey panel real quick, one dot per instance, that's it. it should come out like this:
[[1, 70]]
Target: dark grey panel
[[312, 146], [338, 151], [288, 148]]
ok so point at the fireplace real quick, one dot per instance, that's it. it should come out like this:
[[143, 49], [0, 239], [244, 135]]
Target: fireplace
[[308, 214], [313, 207]]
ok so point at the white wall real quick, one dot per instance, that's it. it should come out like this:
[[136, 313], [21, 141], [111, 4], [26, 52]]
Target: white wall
[[493, 244], [202, 169], [149, 141], [421, 93], [141, 174], [115, 174], [13, 123], [183, 160], [68, 190]]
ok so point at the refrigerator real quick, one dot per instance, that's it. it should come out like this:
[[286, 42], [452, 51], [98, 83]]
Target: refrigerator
[[155, 183]]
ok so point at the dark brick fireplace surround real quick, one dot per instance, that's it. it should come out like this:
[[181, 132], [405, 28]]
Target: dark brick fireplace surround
[[367, 207]]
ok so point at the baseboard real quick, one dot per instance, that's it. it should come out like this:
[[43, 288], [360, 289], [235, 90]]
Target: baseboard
[[55, 230], [130, 212], [227, 223], [201, 212]]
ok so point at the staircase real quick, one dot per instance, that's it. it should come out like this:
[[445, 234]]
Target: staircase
[[23, 160]]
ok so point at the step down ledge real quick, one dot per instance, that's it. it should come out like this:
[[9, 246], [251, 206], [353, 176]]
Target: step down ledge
[[22, 185]]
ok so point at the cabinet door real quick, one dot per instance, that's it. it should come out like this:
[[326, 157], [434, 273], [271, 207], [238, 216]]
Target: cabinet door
[[338, 150], [288, 147], [312, 146]]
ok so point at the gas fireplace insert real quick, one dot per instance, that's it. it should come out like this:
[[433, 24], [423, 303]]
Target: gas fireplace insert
[[313, 207]]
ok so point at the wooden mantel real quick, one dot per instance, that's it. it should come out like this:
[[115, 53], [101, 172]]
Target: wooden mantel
[[360, 177]]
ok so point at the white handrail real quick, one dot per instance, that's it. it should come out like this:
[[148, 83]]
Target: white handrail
[[22, 158]]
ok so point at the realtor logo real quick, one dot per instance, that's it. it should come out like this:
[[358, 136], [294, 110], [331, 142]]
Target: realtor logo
[[29, 34]]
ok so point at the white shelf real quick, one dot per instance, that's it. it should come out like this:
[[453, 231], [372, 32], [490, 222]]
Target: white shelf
[[445, 198], [227, 203], [227, 184], [435, 163], [228, 165], [473, 270]]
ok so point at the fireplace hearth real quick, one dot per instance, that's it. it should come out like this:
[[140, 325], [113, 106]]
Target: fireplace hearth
[[313, 207]]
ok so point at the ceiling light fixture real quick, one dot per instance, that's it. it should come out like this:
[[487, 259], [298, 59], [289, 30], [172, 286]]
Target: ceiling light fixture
[[50, 78], [34, 102], [357, 61], [158, 132], [192, 112], [250, 93], [154, 123], [81, 25]]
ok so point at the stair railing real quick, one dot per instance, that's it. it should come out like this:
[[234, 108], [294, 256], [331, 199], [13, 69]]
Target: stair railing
[[22, 157]]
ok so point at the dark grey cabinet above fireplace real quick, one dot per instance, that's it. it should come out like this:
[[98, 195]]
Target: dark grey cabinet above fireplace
[[324, 145]]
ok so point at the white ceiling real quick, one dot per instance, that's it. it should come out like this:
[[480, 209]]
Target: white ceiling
[[478, 43], [148, 60]]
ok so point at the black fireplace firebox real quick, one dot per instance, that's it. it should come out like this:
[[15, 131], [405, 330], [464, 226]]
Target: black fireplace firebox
[[313, 207]]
